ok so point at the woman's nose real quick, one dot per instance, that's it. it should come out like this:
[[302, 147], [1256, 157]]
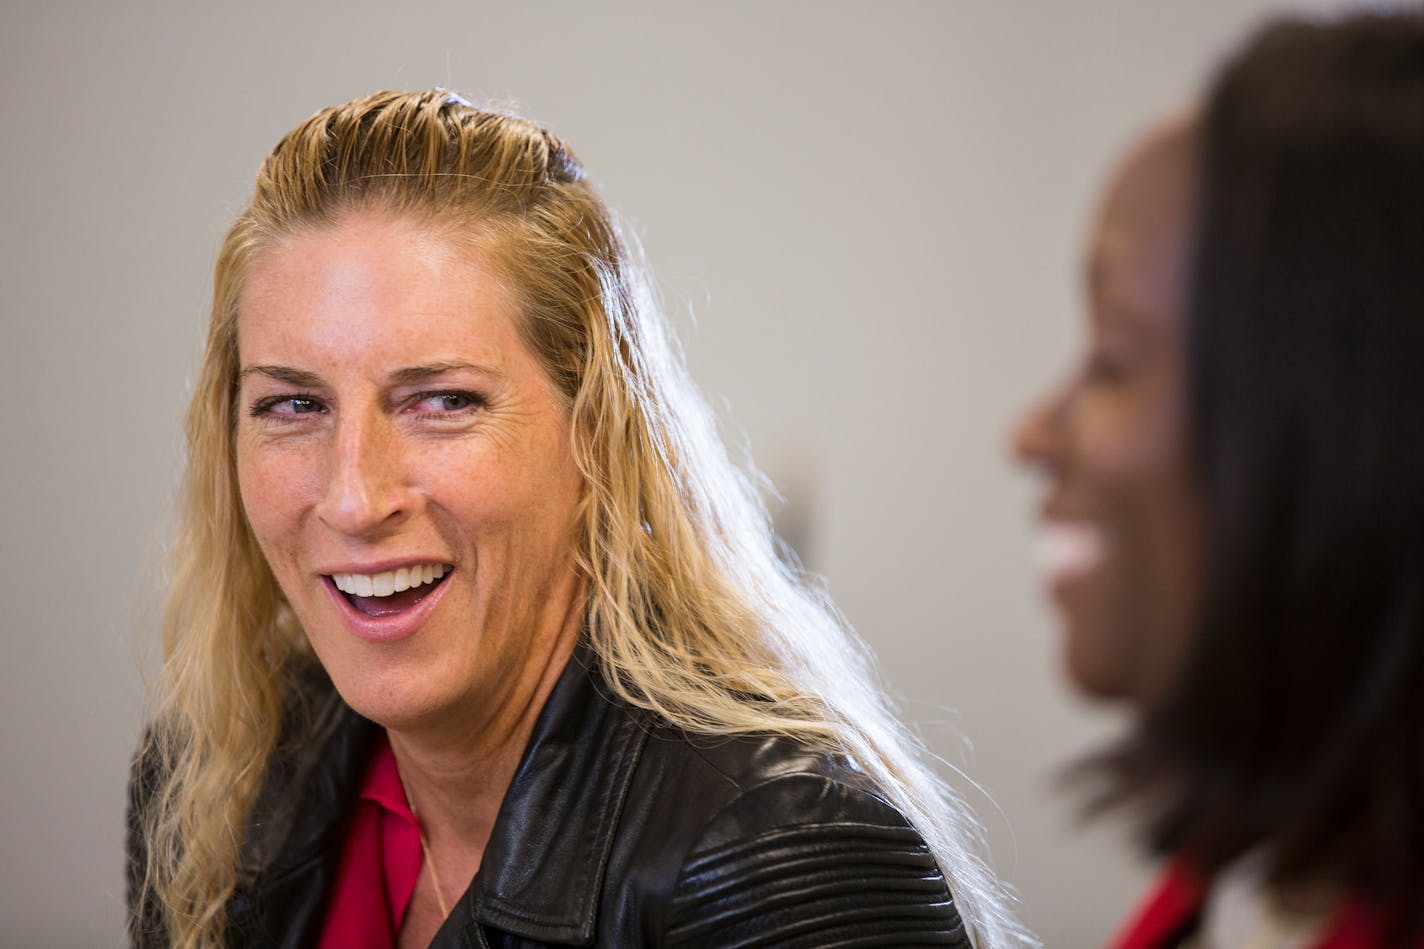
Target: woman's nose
[[1037, 437], [366, 490]]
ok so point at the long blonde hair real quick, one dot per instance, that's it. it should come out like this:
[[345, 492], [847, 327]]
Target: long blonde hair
[[691, 606]]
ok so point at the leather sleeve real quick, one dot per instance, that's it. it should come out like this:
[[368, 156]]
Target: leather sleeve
[[804, 861]]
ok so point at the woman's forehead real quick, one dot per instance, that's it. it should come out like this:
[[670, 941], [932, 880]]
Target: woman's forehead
[[1137, 252], [1153, 184], [371, 286]]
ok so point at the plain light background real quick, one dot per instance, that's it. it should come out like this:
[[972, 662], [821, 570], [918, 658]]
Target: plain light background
[[865, 220]]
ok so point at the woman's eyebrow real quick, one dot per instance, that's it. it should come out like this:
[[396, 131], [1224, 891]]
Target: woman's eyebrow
[[296, 377], [413, 374]]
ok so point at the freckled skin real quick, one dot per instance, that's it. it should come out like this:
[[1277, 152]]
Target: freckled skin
[[1111, 439], [372, 469]]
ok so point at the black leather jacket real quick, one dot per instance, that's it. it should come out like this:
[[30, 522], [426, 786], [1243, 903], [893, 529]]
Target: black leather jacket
[[620, 831]]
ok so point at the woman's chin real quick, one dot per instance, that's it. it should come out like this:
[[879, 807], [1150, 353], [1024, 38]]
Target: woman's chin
[[394, 702], [1094, 667]]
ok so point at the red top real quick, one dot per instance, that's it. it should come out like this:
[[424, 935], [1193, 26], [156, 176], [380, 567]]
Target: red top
[[380, 863], [1163, 918]]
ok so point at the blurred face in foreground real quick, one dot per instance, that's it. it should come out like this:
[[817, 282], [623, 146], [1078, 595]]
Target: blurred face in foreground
[[1120, 544], [405, 465]]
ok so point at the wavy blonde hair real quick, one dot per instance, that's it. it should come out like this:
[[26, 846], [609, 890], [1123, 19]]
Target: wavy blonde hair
[[691, 610]]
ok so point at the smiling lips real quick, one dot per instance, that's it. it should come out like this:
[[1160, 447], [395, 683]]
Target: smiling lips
[[391, 591], [1068, 549]]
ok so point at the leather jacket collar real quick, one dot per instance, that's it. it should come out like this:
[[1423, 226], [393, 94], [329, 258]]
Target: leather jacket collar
[[543, 867]]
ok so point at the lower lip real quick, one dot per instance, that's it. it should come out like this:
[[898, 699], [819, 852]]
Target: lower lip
[[1060, 584], [393, 626]]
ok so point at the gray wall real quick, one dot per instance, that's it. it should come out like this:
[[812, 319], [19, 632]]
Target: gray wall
[[871, 212]]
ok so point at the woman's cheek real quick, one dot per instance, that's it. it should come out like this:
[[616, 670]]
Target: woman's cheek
[[273, 486]]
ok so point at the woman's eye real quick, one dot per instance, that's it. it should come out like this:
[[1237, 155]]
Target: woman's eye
[[453, 402], [449, 402], [1102, 367], [286, 406]]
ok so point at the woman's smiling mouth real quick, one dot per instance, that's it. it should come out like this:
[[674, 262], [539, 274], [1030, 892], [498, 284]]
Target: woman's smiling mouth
[[389, 593], [1068, 549]]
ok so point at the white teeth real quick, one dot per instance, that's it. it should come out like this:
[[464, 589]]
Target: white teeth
[[1067, 549], [391, 581]]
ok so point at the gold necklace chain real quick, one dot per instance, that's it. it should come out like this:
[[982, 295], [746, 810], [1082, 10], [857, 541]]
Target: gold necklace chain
[[429, 861], [425, 851], [430, 864]]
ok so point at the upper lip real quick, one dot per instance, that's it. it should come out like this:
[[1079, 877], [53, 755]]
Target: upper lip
[[381, 566], [1054, 511]]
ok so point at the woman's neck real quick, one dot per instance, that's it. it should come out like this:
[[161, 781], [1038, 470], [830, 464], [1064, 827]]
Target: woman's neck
[[456, 772]]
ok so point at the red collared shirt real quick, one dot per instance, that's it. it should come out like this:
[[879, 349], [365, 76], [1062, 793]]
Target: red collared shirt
[[1177, 898], [380, 863]]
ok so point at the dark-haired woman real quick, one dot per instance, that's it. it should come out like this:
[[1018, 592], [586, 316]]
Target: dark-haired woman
[[1234, 529]]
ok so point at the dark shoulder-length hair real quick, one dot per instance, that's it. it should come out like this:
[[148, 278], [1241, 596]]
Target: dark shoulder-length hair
[[1297, 725]]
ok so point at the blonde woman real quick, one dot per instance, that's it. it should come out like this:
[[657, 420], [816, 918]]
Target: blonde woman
[[475, 637]]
